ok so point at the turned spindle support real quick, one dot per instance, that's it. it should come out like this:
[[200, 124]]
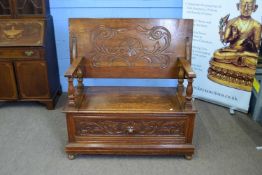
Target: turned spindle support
[[189, 92], [80, 85], [71, 91], [181, 75]]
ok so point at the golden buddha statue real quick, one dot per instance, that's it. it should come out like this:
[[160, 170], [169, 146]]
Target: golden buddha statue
[[235, 64]]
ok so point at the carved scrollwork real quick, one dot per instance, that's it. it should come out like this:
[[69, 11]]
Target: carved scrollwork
[[129, 49], [110, 127], [159, 51], [156, 33]]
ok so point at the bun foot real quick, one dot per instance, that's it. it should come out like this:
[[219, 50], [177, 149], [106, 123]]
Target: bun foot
[[188, 157], [71, 156]]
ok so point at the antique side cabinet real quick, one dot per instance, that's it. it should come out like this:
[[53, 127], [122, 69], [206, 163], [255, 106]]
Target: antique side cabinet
[[28, 62]]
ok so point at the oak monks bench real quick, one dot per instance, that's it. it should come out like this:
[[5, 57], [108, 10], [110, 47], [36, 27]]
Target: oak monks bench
[[130, 120]]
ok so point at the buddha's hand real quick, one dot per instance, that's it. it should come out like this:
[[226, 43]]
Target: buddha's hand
[[234, 34]]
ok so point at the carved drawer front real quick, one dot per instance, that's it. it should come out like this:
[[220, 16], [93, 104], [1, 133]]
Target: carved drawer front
[[21, 53], [21, 32], [85, 126]]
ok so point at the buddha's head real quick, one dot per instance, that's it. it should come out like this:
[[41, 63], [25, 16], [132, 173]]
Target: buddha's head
[[246, 7]]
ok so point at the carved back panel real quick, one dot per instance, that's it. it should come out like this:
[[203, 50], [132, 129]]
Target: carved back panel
[[130, 48]]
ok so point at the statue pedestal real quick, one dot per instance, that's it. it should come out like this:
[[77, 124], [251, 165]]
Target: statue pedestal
[[231, 75]]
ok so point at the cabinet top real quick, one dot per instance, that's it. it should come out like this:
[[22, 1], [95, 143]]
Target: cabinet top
[[22, 32], [24, 8]]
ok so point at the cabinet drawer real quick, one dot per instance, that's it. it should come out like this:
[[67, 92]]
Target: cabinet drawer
[[21, 53], [117, 126]]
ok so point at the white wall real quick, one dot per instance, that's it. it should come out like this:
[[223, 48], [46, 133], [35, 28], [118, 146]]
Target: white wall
[[61, 10]]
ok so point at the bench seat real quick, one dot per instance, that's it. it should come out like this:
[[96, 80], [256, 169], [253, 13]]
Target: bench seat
[[128, 100]]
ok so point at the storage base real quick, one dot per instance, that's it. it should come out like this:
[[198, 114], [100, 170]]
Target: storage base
[[129, 121]]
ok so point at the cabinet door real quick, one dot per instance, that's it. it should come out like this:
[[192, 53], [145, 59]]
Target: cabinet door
[[32, 79], [5, 8], [29, 7], [7, 81]]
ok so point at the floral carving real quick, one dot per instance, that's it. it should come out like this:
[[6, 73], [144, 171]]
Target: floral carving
[[136, 127], [114, 45]]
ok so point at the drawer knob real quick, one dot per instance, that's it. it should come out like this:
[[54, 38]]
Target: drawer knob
[[130, 129], [29, 53]]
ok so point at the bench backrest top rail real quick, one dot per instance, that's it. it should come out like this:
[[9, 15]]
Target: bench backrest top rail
[[130, 48]]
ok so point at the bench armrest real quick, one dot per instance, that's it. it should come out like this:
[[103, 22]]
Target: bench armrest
[[185, 71], [187, 68], [74, 67], [75, 71]]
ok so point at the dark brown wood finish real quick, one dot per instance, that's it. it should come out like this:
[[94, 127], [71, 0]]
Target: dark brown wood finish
[[130, 120], [7, 81], [28, 54], [5, 9], [32, 79], [21, 53]]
